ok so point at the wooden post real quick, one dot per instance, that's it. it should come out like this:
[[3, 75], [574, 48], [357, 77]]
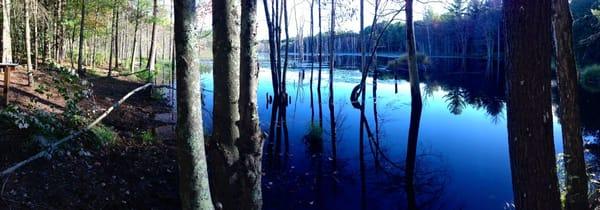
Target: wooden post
[[7, 70]]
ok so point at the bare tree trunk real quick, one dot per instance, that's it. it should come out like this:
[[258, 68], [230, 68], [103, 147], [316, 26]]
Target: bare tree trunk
[[272, 47], [46, 38], [135, 30], [577, 181], [530, 137], [6, 33], [35, 35], [28, 43], [71, 47], [320, 48], [112, 42], [251, 139], [224, 154], [312, 57], [331, 67], [116, 42], [152, 55], [286, 48], [81, 27], [61, 49], [413, 71], [95, 39], [194, 187], [320, 66], [331, 52], [57, 30]]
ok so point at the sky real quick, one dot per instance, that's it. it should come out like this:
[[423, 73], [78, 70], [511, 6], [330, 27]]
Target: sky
[[299, 15]]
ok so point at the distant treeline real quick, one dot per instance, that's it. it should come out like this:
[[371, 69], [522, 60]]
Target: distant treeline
[[472, 29]]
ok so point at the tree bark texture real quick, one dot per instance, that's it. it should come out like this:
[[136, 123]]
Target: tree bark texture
[[530, 137], [194, 187], [577, 182]]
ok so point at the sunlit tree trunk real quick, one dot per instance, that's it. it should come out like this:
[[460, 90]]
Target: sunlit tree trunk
[[6, 34], [194, 187], [530, 137], [135, 30], [28, 43], [226, 55], [95, 39], [116, 41], [81, 27], [35, 35], [57, 30], [112, 42], [576, 197], [250, 143], [152, 55]]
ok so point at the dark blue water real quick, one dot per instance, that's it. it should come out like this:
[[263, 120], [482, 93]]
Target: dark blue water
[[462, 151]]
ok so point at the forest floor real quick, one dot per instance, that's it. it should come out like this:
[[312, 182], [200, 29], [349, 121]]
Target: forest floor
[[137, 170]]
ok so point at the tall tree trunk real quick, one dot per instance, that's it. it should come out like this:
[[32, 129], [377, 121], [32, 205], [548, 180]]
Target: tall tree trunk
[[57, 30], [413, 71], [331, 51], [530, 138], [320, 42], [95, 39], [35, 35], [272, 47], [320, 66], [6, 33], [224, 154], [152, 55], [251, 139], [286, 48], [47, 46], [112, 42], [81, 27], [61, 49], [116, 41], [576, 197], [135, 30], [28, 43], [194, 187], [72, 46], [331, 67], [312, 57]]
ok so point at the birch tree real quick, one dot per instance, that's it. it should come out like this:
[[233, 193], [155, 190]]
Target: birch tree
[[194, 187]]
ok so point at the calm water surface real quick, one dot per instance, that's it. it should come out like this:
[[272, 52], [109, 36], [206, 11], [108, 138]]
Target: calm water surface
[[462, 151]]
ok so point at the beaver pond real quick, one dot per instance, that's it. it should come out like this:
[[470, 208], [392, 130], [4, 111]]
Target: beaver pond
[[462, 155]]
